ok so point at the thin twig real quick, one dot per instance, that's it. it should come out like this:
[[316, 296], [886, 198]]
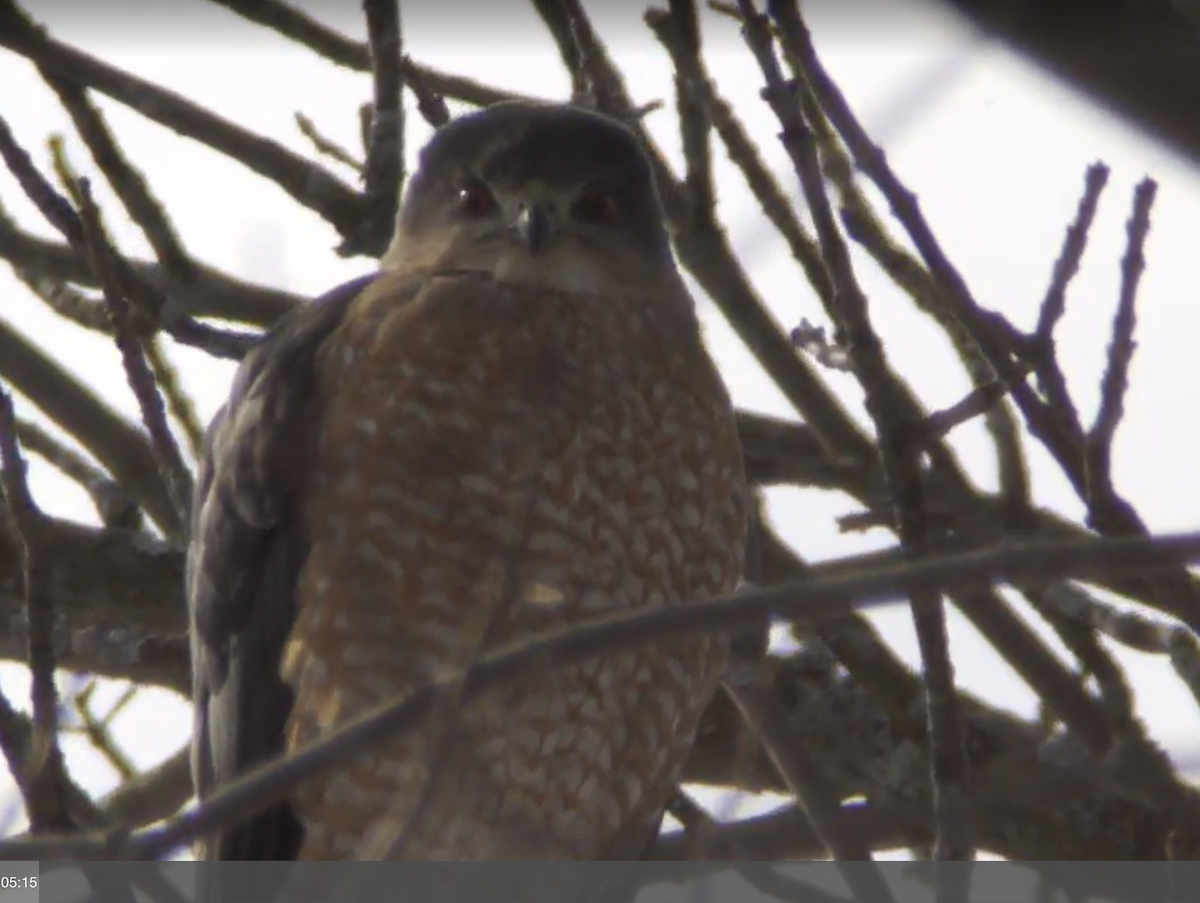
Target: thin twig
[[698, 825], [298, 27], [867, 229], [62, 216], [460, 88], [118, 445], [137, 371], [128, 184], [1043, 348], [974, 404], [1138, 764], [18, 746], [216, 294], [1074, 244], [181, 405], [325, 145], [596, 82], [1099, 441], [67, 301], [99, 734], [1062, 690], [43, 776], [745, 686], [1096, 662], [1128, 628], [112, 503], [742, 150], [152, 794], [557, 16], [53, 206]]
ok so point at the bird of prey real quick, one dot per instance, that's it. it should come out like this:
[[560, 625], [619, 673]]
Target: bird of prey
[[513, 426]]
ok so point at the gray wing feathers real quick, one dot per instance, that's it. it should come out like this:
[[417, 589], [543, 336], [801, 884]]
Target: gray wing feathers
[[247, 549]]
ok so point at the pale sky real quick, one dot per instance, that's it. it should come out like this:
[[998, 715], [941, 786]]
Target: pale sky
[[995, 151]]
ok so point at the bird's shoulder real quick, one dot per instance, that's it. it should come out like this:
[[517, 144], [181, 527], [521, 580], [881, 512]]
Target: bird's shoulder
[[253, 457]]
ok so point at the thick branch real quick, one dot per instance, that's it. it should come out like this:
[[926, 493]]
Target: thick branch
[[117, 600], [111, 439], [1032, 796], [213, 293]]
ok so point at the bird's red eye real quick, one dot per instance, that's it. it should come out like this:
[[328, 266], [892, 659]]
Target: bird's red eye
[[596, 204], [475, 200]]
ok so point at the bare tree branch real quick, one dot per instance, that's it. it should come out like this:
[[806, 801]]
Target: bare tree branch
[[137, 371], [1102, 494], [214, 294], [812, 600], [116, 444], [383, 172], [308, 183], [808, 784], [988, 329], [40, 773], [129, 185], [116, 600]]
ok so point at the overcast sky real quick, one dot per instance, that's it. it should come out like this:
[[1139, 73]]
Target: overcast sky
[[995, 151]]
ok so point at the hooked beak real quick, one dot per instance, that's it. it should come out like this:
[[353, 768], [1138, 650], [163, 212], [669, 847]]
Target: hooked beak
[[534, 226]]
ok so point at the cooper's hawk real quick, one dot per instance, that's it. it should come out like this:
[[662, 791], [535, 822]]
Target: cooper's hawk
[[510, 428]]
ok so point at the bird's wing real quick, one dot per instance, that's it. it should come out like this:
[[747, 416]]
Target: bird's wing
[[247, 548]]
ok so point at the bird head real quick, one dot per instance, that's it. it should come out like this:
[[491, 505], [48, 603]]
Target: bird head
[[543, 193]]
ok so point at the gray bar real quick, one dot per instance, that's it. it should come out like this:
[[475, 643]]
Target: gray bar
[[643, 882]]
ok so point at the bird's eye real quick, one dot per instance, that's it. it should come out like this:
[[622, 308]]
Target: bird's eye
[[596, 204], [475, 200]]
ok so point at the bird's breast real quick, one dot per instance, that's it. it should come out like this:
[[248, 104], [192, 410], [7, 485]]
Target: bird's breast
[[493, 466]]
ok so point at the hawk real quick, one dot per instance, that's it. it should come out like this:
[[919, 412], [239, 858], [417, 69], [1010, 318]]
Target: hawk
[[512, 427]]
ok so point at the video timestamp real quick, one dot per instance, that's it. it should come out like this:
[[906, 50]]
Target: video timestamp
[[20, 882]]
